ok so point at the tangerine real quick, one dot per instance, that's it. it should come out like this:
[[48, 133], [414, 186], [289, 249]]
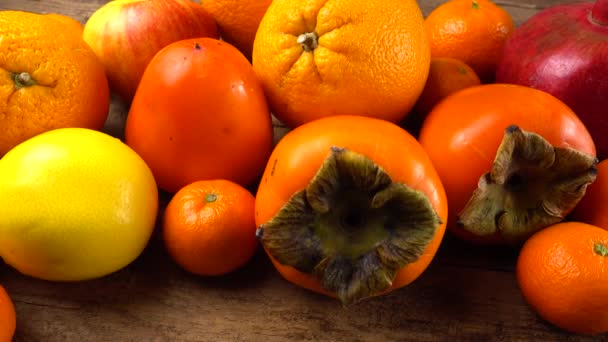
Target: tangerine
[[209, 227], [562, 275], [473, 31], [446, 76]]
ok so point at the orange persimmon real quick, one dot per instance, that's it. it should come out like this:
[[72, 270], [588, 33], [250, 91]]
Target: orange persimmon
[[350, 207], [512, 159], [592, 209], [200, 113]]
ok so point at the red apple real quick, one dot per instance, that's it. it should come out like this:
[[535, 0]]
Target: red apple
[[126, 34], [563, 50]]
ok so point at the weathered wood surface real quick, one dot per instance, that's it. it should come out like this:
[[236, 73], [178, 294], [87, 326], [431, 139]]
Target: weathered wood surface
[[468, 293]]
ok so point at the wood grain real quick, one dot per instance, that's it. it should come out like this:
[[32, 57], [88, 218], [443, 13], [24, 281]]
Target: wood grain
[[467, 294]]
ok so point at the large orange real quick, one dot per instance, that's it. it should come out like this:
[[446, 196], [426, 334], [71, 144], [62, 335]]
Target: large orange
[[473, 31], [8, 320], [238, 20], [75, 25], [209, 227], [49, 78], [319, 58], [562, 274]]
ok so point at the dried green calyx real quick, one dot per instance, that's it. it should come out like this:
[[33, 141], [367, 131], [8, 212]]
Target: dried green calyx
[[531, 185], [352, 228]]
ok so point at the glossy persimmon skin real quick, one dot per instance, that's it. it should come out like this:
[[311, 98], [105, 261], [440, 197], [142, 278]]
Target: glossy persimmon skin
[[462, 133], [200, 113], [300, 153], [593, 207]]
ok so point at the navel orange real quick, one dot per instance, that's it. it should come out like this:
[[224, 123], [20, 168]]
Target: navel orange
[[319, 58]]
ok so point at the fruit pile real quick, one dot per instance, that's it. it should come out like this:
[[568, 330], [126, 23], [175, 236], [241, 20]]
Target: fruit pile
[[401, 129]]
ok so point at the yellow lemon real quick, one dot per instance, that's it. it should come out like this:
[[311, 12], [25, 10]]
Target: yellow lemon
[[75, 204]]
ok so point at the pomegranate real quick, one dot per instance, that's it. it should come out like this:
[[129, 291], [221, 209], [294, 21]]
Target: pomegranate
[[563, 50]]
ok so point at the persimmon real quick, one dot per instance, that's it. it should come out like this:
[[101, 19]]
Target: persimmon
[[592, 209], [200, 113], [350, 207], [512, 159]]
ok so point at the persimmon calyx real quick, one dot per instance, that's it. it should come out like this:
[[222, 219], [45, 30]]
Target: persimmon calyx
[[22, 80], [531, 185], [353, 228]]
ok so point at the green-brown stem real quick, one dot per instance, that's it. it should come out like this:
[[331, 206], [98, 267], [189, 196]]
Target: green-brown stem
[[352, 228], [531, 185], [22, 80], [600, 249], [308, 40], [210, 197]]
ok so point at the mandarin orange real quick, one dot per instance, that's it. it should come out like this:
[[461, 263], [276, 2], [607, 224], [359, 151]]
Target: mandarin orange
[[209, 227], [473, 31], [562, 274]]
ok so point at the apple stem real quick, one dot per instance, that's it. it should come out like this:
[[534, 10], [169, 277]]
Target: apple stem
[[599, 12]]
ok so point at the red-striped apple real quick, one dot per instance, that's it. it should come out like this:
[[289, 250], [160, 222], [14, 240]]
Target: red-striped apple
[[126, 34]]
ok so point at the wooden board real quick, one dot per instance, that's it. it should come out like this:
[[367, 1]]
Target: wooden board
[[468, 293]]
